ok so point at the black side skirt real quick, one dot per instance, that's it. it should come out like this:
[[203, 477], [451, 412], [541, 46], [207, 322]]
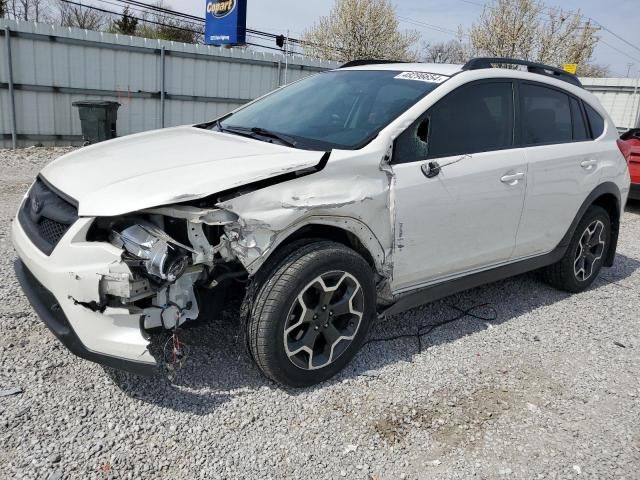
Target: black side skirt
[[450, 287]]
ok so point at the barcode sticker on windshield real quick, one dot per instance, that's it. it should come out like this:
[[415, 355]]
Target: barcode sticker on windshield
[[422, 77]]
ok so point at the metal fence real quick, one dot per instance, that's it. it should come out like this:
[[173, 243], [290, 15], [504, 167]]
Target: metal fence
[[620, 97], [44, 68]]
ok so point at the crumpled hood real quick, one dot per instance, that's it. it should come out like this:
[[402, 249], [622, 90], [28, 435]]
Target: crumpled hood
[[167, 166]]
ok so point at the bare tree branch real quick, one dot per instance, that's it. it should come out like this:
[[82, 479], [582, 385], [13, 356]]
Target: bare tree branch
[[452, 51]]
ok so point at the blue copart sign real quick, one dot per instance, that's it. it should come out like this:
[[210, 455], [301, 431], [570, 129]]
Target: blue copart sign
[[225, 22]]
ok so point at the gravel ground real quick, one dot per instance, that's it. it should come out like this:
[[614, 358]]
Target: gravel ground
[[549, 390]]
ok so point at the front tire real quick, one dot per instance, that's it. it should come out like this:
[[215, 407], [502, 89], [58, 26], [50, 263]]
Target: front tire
[[585, 254], [311, 314]]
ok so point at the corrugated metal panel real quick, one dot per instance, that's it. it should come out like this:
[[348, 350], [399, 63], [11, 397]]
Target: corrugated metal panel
[[128, 70], [620, 97]]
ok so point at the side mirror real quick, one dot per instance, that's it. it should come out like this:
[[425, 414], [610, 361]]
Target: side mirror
[[430, 169]]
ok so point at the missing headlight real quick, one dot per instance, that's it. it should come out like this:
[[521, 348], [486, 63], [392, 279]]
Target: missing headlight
[[158, 254]]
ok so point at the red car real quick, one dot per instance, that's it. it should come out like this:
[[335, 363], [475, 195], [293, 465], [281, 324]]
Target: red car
[[630, 145]]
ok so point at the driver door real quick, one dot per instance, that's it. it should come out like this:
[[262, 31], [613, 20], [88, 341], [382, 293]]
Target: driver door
[[466, 217]]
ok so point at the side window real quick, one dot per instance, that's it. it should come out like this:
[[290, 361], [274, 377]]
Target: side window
[[545, 115], [580, 130], [474, 118], [595, 120]]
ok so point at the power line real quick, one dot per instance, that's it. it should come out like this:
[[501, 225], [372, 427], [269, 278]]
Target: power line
[[427, 25], [620, 51], [616, 35], [200, 21], [154, 22], [474, 3], [194, 18], [145, 20]]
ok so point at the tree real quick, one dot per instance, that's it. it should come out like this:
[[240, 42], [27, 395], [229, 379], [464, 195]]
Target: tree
[[126, 24], [165, 27], [527, 29], [76, 16], [358, 29], [28, 10], [593, 70], [452, 51]]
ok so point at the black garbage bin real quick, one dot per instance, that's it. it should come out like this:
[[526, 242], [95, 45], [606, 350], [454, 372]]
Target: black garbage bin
[[97, 119]]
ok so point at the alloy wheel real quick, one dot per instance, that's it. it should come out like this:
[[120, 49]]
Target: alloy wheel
[[323, 320], [590, 250]]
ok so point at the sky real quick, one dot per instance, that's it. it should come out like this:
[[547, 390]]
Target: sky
[[622, 17]]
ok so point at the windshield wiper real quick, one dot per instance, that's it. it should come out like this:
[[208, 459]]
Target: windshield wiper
[[252, 132], [245, 132], [278, 136]]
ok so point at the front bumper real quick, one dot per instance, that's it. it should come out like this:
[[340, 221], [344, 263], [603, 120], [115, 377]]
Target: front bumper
[[634, 191], [48, 309], [62, 285]]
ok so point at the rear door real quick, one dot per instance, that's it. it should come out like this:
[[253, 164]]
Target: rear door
[[563, 165], [466, 217]]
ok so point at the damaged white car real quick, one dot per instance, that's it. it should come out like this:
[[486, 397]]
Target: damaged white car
[[346, 196]]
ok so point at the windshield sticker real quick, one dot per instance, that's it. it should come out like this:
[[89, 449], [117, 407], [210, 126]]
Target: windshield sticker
[[422, 77]]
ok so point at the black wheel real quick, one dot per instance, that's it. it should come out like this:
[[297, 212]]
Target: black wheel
[[586, 252], [311, 314]]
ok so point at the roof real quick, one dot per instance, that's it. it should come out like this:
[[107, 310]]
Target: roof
[[439, 68], [475, 64]]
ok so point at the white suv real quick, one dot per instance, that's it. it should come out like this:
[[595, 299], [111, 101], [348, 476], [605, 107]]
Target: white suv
[[351, 194]]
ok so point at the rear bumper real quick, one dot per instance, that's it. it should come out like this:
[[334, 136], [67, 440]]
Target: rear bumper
[[49, 310], [634, 191]]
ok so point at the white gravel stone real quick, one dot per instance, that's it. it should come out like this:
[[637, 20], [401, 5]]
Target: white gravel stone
[[546, 390]]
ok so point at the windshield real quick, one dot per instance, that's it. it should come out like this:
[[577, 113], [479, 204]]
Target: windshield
[[337, 109]]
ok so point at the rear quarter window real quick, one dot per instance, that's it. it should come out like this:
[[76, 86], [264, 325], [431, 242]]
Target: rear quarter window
[[580, 130], [595, 121]]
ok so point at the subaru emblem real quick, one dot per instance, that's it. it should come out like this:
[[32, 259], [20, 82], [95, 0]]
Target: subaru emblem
[[36, 207]]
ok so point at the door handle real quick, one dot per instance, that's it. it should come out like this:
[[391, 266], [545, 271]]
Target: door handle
[[588, 164], [512, 179]]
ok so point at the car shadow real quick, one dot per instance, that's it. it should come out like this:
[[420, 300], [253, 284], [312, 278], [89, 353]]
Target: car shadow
[[218, 369], [504, 300], [632, 206]]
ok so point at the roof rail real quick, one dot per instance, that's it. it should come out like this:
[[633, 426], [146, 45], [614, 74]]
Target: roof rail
[[368, 61], [532, 67]]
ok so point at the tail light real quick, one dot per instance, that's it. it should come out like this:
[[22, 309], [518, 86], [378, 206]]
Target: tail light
[[624, 149]]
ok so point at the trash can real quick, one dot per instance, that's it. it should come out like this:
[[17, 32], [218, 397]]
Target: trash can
[[97, 120]]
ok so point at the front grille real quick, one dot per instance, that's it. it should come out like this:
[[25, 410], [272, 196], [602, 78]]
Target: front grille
[[46, 216], [51, 230]]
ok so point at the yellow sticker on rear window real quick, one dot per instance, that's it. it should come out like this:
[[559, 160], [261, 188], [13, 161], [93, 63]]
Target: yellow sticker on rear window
[[422, 77]]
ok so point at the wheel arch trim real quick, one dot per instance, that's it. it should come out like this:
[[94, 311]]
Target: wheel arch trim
[[601, 191]]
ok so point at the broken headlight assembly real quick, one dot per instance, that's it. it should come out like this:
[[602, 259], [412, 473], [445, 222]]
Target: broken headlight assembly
[[160, 256]]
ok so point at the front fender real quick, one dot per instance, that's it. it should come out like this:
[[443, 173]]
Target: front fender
[[352, 225], [340, 196]]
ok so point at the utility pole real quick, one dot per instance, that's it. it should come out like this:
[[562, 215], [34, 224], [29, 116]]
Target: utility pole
[[629, 65], [636, 124], [286, 57]]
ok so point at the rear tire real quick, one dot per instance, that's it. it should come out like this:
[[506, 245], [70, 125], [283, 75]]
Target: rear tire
[[311, 313], [585, 254]]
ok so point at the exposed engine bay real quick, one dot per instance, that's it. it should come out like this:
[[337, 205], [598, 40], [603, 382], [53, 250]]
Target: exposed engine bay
[[169, 253]]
